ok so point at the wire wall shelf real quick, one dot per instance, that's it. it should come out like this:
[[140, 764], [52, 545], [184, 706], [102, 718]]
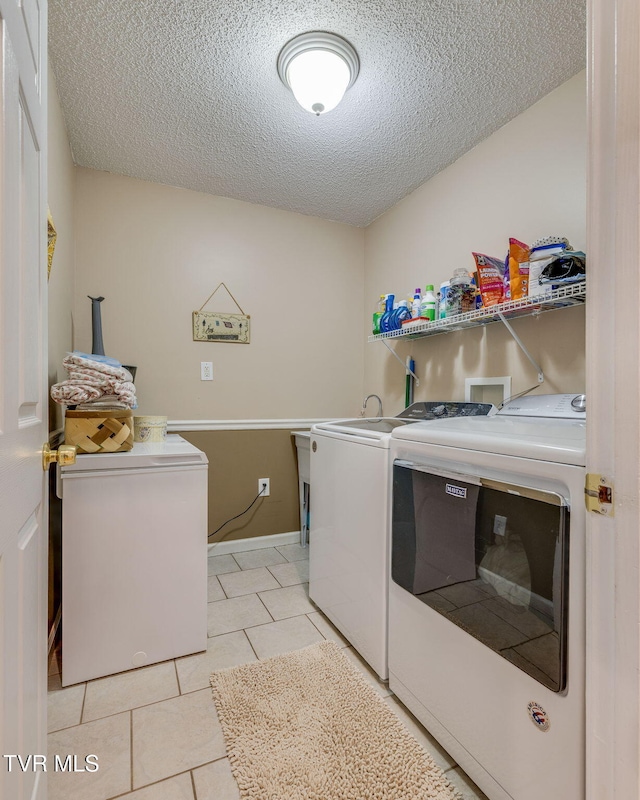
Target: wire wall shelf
[[570, 295]]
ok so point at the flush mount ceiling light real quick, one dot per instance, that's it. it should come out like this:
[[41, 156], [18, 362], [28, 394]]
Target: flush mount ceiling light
[[318, 67]]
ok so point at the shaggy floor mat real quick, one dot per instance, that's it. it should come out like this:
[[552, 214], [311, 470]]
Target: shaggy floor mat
[[307, 726]]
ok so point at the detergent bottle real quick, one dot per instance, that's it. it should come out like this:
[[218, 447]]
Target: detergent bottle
[[415, 305], [401, 314], [443, 307], [428, 305], [377, 313], [386, 318]]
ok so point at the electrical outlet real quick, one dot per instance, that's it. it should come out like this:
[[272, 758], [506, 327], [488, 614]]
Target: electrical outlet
[[264, 492], [206, 371], [499, 525]]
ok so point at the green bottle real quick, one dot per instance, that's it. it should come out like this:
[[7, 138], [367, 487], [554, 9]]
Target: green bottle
[[377, 314], [428, 304]]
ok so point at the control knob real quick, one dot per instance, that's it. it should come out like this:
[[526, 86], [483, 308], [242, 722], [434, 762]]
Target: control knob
[[579, 403]]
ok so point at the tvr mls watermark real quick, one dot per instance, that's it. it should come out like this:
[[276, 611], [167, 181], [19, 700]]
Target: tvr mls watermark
[[39, 763]]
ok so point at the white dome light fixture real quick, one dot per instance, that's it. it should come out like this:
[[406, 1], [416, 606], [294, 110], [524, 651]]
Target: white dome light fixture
[[318, 67]]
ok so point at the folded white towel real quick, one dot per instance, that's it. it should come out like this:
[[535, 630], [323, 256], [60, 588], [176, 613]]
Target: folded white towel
[[71, 395], [74, 362], [91, 380], [105, 403]]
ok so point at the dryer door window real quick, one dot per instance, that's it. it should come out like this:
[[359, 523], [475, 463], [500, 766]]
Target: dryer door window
[[491, 557]]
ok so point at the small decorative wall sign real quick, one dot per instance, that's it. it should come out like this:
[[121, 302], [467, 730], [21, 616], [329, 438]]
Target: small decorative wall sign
[[213, 326]]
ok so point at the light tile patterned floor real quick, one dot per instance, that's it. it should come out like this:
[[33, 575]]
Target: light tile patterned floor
[[155, 729]]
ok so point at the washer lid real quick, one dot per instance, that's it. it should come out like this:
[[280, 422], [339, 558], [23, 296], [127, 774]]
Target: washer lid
[[374, 427], [544, 439]]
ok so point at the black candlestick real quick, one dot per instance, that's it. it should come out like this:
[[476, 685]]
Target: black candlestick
[[97, 346]]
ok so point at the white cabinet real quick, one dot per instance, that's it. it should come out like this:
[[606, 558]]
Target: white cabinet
[[134, 558]]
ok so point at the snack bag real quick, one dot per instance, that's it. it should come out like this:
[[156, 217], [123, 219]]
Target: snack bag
[[506, 283], [490, 278], [518, 269]]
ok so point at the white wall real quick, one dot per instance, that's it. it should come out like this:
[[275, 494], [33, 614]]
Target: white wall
[[156, 253], [527, 180], [61, 191]]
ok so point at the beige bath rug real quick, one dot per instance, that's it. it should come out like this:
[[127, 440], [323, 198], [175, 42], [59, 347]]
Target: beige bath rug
[[307, 726]]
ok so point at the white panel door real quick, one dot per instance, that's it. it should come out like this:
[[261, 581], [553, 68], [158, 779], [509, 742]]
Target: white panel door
[[23, 396], [613, 393]]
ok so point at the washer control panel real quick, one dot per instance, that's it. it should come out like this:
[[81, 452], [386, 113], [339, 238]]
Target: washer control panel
[[559, 406], [431, 409]]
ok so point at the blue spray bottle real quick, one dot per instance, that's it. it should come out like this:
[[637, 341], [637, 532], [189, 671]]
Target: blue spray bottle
[[386, 322]]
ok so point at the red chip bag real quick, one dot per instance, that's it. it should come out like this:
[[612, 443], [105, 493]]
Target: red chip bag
[[490, 278]]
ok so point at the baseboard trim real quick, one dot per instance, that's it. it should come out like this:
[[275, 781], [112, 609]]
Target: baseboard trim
[[254, 543]]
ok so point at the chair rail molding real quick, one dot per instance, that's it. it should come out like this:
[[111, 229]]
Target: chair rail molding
[[178, 425]]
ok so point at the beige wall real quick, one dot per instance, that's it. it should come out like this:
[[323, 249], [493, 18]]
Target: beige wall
[[157, 252], [61, 191], [527, 180], [237, 460]]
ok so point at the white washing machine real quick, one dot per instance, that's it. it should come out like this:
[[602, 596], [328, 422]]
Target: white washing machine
[[486, 601], [349, 550]]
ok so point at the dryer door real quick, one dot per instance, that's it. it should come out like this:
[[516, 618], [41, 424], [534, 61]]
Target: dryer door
[[491, 557]]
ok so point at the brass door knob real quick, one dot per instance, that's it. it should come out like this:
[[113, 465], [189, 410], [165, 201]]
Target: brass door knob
[[64, 455]]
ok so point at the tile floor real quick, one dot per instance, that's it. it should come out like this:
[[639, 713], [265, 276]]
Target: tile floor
[[155, 729]]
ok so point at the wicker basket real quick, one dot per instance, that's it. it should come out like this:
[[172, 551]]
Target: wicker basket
[[106, 431]]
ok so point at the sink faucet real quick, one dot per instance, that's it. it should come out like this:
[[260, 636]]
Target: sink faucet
[[366, 400]]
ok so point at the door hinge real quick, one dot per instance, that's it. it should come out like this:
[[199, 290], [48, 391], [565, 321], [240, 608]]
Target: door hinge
[[598, 494]]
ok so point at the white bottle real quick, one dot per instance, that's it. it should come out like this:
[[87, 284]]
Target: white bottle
[[416, 304], [428, 303], [443, 305]]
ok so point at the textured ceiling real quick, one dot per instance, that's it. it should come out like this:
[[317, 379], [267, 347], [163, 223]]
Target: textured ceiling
[[186, 93]]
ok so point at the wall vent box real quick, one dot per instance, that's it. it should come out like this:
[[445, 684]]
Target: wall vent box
[[487, 390]]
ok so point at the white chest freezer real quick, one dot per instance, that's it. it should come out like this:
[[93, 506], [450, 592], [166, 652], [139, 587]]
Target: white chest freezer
[[134, 558]]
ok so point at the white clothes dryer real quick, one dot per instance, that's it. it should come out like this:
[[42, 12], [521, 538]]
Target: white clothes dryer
[[349, 548], [486, 601]]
